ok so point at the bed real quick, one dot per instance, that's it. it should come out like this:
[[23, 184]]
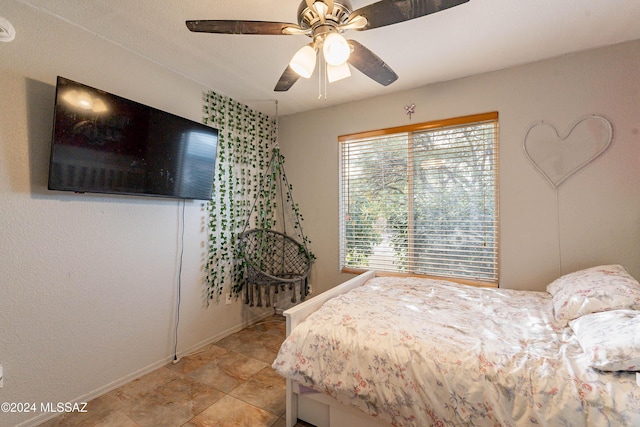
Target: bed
[[419, 352]]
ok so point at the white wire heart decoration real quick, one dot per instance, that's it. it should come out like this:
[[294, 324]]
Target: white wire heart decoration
[[558, 156]]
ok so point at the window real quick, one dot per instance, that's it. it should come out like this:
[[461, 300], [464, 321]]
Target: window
[[422, 199]]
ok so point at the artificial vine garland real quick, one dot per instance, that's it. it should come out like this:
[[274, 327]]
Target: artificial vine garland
[[246, 141]]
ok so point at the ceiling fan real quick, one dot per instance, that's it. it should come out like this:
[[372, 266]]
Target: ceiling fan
[[324, 21]]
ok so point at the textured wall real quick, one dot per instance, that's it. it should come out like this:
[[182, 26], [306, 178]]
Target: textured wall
[[88, 283], [599, 206]]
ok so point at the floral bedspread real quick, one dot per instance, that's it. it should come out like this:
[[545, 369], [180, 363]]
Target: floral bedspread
[[421, 352]]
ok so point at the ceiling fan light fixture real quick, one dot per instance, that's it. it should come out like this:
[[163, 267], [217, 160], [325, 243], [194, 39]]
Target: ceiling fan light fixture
[[336, 50], [338, 72], [320, 8], [304, 61], [324, 21]]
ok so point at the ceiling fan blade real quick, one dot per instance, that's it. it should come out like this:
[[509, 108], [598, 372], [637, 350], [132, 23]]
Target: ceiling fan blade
[[242, 27], [329, 4], [288, 78], [387, 12], [370, 64]]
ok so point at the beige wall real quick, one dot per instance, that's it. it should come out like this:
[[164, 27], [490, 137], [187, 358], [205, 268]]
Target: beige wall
[[599, 207], [88, 283]]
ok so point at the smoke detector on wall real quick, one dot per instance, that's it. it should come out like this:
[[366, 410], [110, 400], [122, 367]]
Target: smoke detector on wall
[[7, 32]]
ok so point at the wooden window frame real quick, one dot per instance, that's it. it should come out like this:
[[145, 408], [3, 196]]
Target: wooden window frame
[[410, 130]]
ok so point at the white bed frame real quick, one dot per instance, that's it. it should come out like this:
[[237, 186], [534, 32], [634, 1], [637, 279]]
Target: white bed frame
[[317, 408]]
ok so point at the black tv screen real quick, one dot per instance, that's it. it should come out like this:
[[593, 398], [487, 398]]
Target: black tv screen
[[103, 143]]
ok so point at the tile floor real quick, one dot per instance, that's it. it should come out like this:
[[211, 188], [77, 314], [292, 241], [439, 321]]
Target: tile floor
[[226, 384]]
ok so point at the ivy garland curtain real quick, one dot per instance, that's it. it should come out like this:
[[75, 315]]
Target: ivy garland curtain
[[246, 139]]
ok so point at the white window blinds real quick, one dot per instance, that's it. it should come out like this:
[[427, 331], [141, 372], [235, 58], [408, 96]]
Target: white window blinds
[[422, 199]]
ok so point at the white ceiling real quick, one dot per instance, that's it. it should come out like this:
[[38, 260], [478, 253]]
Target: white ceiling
[[476, 37]]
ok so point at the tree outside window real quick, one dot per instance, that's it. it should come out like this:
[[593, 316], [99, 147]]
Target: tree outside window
[[422, 199]]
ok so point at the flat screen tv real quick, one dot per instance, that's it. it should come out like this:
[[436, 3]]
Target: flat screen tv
[[103, 143]]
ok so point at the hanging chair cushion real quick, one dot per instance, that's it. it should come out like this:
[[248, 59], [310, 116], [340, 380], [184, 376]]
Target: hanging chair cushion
[[274, 255]]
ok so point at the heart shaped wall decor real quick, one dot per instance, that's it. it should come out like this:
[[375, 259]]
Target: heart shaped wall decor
[[558, 156]]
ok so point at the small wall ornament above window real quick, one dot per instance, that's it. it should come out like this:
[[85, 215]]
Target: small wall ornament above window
[[410, 109], [558, 156]]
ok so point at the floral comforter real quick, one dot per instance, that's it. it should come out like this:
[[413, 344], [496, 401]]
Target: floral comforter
[[421, 352]]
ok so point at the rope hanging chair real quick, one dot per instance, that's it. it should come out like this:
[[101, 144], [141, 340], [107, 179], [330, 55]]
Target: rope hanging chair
[[272, 259]]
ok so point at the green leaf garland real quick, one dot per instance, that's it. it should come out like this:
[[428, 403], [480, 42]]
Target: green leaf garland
[[245, 138], [243, 187]]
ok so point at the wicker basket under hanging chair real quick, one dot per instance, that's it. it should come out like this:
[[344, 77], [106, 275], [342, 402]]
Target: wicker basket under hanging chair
[[273, 260]]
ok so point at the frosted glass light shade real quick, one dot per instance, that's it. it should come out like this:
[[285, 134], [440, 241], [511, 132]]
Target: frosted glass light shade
[[304, 61], [320, 7], [338, 72], [336, 50]]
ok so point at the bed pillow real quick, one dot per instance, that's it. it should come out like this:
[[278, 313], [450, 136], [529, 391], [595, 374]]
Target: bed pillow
[[611, 339], [596, 289], [589, 275]]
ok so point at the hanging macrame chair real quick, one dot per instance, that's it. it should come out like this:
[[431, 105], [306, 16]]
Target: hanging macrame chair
[[272, 259]]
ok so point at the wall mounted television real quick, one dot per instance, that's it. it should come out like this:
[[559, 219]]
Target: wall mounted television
[[103, 143]]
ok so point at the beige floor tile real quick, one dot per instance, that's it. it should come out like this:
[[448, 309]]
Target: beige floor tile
[[266, 390], [232, 412], [237, 339], [117, 419], [173, 403], [198, 359], [96, 412], [275, 326], [193, 392], [70, 420], [148, 382], [228, 371], [260, 346]]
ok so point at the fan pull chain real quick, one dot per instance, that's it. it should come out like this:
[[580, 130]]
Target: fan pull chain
[[322, 78]]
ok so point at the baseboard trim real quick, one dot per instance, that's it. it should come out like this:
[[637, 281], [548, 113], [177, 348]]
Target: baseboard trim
[[35, 421]]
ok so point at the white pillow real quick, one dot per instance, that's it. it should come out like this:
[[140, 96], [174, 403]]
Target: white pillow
[[611, 339], [602, 288]]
